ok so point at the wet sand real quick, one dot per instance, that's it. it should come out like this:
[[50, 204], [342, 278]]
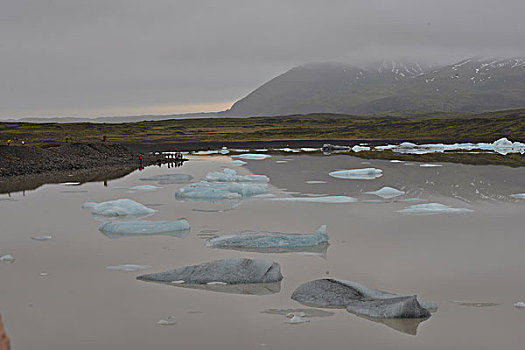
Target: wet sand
[[471, 258]]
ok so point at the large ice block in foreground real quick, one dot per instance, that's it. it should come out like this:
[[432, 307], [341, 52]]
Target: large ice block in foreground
[[265, 239], [168, 179], [117, 229], [220, 190], [360, 300], [252, 156], [432, 208], [357, 174], [230, 175], [228, 271], [387, 192], [119, 207], [322, 199]]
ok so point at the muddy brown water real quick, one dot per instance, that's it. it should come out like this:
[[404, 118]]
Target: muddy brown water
[[455, 260]]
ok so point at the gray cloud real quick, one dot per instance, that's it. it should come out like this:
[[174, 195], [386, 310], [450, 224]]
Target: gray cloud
[[81, 57]]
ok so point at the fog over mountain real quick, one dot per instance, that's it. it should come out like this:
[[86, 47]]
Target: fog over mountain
[[133, 57]]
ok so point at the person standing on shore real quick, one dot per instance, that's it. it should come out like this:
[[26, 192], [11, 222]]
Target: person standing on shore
[[5, 343]]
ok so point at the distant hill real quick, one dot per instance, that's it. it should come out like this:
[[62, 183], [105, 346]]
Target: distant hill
[[471, 85], [123, 119]]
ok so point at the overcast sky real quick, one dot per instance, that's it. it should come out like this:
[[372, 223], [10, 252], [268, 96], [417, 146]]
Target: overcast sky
[[128, 57]]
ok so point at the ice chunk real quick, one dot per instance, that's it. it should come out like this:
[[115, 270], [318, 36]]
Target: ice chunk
[[237, 162], [128, 267], [70, 184], [315, 182], [119, 207], [432, 208], [41, 238], [7, 258], [518, 195], [168, 322], [204, 153], [229, 271], [323, 199], [265, 239], [358, 174], [144, 188], [308, 149], [360, 299], [299, 317], [220, 191], [387, 192], [168, 179], [431, 165], [230, 175], [252, 156], [519, 304], [358, 148], [117, 229], [396, 161]]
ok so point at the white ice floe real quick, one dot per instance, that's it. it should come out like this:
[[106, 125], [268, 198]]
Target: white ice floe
[[128, 267], [230, 175], [216, 283], [265, 239], [519, 304], [287, 149], [252, 156], [518, 195], [7, 258], [143, 227], [204, 153], [433, 208], [431, 165], [308, 149], [314, 182], [387, 192], [165, 322], [119, 207], [224, 150], [357, 174], [237, 162], [297, 317], [321, 199], [70, 184], [396, 161], [502, 146], [41, 238], [358, 148], [221, 190], [144, 188]]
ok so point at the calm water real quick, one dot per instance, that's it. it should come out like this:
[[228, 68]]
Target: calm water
[[449, 259]]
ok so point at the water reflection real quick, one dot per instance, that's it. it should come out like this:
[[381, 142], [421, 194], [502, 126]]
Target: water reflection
[[403, 325], [317, 250], [247, 289]]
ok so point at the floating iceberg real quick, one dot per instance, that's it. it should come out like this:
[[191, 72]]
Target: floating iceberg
[[204, 153], [360, 300], [315, 182], [432, 208], [431, 165], [358, 174], [41, 238], [144, 188], [229, 271], [220, 191], [7, 258], [387, 192], [297, 317], [119, 207], [252, 156], [308, 149], [518, 195], [128, 267], [237, 162], [358, 148], [519, 304], [168, 179], [118, 229], [230, 175], [321, 199], [265, 239]]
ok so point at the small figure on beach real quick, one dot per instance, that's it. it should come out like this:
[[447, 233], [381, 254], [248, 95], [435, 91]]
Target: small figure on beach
[[5, 344]]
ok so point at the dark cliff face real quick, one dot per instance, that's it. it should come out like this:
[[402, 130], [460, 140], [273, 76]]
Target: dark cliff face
[[472, 85]]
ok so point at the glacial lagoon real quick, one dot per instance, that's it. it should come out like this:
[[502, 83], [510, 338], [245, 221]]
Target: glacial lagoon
[[451, 234]]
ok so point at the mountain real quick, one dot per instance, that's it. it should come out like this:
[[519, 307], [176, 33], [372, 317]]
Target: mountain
[[471, 85]]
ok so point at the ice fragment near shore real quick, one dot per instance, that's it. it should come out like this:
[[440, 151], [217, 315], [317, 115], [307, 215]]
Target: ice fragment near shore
[[219, 191], [387, 192], [360, 299], [518, 195], [322, 199], [265, 239], [41, 238], [144, 188], [230, 175], [252, 156], [7, 258], [117, 229], [237, 162], [430, 165], [519, 304], [229, 271], [432, 208], [128, 267], [358, 174], [119, 207]]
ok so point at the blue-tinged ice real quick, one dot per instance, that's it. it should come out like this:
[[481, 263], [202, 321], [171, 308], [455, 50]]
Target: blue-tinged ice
[[168, 179], [387, 192], [118, 229], [119, 207], [221, 190], [230, 175], [228, 271], [265, 239], [128, 267], [308, 149], [252, 156], [432, 208], [322, 199], [8, 258], [236, 162], [518, 195], [358, 148], [204, 153], [358, 174], [430, 165], [144, 188]]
